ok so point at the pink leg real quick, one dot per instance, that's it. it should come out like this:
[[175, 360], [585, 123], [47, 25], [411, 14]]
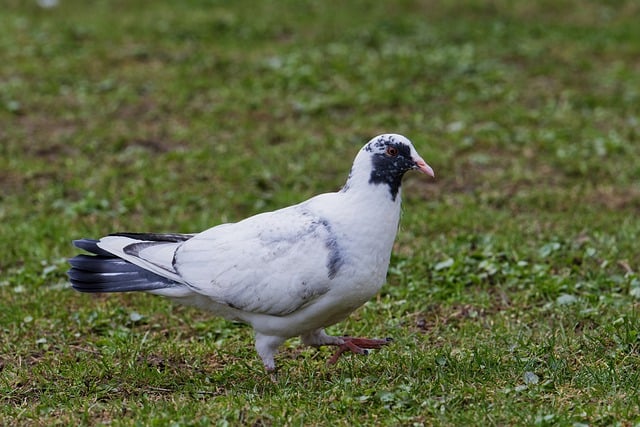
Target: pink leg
[[358, 346]]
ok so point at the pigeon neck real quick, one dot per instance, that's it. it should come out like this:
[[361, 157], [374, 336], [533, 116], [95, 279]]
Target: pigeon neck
[[365, 178]]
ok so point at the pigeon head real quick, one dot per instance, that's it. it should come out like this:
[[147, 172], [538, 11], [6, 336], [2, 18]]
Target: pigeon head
[[386, 158]]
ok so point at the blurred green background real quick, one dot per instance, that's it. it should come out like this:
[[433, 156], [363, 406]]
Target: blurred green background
[[513, 291]]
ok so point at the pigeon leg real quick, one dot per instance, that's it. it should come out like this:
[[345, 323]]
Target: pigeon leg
[[267, 347], [319, 338], [358, 346]]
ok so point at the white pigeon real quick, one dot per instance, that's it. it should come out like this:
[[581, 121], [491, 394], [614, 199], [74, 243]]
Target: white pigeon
[[290, 272]]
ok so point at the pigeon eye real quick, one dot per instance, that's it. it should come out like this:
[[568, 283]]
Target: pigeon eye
[[392, 151]]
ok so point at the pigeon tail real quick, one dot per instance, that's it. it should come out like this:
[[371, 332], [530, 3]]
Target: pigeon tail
[[105, 272]]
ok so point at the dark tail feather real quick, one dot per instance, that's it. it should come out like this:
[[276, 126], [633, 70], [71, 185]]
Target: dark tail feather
[[91, 245], [104, 272]]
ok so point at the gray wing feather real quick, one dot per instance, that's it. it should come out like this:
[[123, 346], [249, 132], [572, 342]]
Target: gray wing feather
[[273, 263]]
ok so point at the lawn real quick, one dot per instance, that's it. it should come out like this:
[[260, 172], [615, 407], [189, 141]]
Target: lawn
[[513, 293]]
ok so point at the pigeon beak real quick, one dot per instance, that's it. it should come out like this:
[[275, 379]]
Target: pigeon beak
[[423, 167]]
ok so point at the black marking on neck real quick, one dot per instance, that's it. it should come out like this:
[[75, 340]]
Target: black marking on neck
[[390, 170]]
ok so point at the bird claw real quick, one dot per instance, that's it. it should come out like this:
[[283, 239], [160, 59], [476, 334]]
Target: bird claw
[[358, 346]]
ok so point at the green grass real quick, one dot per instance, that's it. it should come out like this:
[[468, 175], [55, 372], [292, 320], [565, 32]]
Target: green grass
[[513, 294]]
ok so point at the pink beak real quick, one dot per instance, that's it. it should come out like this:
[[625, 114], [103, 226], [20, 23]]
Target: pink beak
[[423, 167]]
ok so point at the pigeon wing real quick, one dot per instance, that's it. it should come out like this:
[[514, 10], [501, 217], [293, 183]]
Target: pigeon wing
[[273, 263]]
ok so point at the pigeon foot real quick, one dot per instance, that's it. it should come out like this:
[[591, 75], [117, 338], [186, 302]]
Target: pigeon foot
[[358, 346]]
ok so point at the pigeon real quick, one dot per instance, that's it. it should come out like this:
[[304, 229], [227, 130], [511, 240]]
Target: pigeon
[[287, 273]]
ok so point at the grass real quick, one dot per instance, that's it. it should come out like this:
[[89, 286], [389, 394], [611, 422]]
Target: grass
[[513, 293]]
